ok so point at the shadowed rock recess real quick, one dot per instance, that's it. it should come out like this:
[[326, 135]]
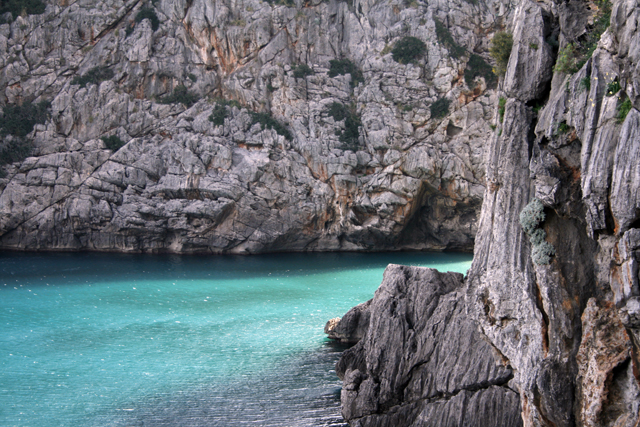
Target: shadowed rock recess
[[559, 306]]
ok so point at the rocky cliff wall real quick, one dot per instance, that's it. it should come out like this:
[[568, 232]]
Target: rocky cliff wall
[[554, 281], [396, 173]]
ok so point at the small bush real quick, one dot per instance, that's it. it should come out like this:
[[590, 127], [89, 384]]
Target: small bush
[[408, 49], [16, 150], [182, 95], [112, 142], [350, 135], [502, 102], [268, 122], [282, 2], [440, 108], [563, 128], [500, 50], [150, 14], [542, 253], [613, 88], [95, 75], [478, 67], [585, 83], [531, 217], [574, 55], [17, 7], [623, 110], [345, 66], [19, 120], [219, 114], [220, 111], [301, 71], [446, 39]]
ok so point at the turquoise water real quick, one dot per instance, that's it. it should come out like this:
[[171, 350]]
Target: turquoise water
[[141, 340]]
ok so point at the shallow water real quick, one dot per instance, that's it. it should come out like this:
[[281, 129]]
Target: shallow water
[[164, 340]]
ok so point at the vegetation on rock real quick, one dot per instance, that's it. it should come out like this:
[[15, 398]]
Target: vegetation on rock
[[345, 66], [446, 39], [350, 135], [18, 121], [408, 50], [500, 50], [440, 108], [112, 142], [575, 54], [623, 109], [18, 7], [478, 67], [301, 71], [268, 122], [531, 218], [95, 75], [150, 14], [182, 95], [502, 102], [220, 111]]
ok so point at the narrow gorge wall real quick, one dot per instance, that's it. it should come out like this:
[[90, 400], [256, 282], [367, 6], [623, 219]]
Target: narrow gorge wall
[[406, 175], [559, 303]]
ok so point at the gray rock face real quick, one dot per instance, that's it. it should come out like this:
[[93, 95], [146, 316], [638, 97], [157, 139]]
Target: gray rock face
[[568, 330], [422, 361], [184, 184]]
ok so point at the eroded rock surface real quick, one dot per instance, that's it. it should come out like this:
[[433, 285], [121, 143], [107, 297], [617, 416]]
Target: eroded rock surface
[[183, 183], [422, 361], [567, 323]]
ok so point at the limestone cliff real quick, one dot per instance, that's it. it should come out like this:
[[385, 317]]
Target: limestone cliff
[[554, 282], [247, 126]]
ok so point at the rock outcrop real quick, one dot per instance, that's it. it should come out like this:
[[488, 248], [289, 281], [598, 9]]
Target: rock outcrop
[[565, 320], [422, 361], [392, 174]]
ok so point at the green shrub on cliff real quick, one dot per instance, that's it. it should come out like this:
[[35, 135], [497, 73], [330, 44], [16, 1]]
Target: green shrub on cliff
[[345, 66], [350, 135], [150, 14], [19, 120], [531, 219], [478, 67], [95, 75], [181, 95], [440, 108], [446, 39], [16, 122], [575, 54], [623, 110], [500, 50], [408, 49], [301, 71], [112, 142], [18, 7], [268, 122]]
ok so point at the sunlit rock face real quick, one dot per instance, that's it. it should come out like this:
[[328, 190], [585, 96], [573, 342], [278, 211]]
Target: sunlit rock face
[[396, 174]]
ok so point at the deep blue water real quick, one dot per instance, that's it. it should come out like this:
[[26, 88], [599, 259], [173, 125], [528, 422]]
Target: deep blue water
[[164, 340]]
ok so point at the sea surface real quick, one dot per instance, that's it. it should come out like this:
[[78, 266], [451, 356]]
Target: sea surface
[[165, 340]]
